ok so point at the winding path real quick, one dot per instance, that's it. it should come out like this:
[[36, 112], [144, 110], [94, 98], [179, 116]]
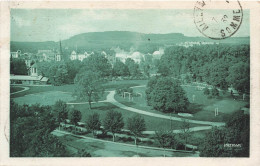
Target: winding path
[[25, 89], [111, 99]]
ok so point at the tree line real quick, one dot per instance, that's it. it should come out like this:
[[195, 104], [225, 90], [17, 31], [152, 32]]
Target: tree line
[[113, 122], [218, 65]]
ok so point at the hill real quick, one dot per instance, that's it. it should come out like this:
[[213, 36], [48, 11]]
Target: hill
[[122, 39]]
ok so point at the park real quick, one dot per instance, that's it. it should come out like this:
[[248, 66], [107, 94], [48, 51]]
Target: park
[[201, 117]]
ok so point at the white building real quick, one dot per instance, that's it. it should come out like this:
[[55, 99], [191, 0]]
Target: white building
[[16, 54], [81, 57]]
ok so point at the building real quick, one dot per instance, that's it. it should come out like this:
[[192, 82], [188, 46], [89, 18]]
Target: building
[[33, 79], [16, 54], [28, 80], [79, 56]]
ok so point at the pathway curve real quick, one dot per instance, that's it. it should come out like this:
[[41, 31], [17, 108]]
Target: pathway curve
[[25, 89], [111, 99]]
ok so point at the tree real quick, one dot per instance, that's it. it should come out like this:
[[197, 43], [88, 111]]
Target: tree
[[235, 132], [62, 110], [89, 86], [166, 95], [213, 144], [30, 132], [75, 117], [239, 76], [136, 125], [185, 131], [97, 63], [132, 67], [206, 91], [215, 92], [120, 69], [165, 139], [113, 122], [83, 153], [18, 67], [73, 68], [56, 71], [93, 123]]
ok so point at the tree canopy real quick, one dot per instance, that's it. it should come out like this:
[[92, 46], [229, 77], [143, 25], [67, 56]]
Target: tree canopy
[[30, 132], [136, 125], [166, 95], [113, 122], [236, 132], [89, 86], [18, 67], [218, 65]]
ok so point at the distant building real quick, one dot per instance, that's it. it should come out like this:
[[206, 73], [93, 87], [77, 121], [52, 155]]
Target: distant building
[[28, 80], [16, 54], [79, 56], [33, 79]]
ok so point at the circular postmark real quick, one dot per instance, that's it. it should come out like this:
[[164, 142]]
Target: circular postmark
[[218, 19]]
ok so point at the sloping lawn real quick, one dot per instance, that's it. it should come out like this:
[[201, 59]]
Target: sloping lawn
[[152, 123]]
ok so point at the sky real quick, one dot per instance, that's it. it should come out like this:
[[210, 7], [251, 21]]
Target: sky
[[59, 24]]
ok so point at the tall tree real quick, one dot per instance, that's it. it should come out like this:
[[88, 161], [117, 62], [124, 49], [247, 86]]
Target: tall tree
[[113, 122], [165, 139], [185, 131], [236, 132], [62, 110], [132, 67], [239, 76], [30, 132], [18, 67], [97, 63], [93, 123], [167, 95], [75, 117], [136, 125], [120, 69], [89, 86]]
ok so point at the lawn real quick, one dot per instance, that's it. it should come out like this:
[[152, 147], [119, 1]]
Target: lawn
[[202, 107], [70, 88], [15, 89], [39, 89], [152, 123]]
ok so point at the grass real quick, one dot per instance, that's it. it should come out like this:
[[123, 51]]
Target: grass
[[71, 87], [39, 89], [15, 89], [152, 123], [202, 108]]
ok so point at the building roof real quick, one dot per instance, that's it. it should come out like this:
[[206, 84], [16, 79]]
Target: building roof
[[28, 78], [24, 77]]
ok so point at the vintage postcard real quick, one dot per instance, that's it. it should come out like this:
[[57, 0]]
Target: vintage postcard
[[123, 83]]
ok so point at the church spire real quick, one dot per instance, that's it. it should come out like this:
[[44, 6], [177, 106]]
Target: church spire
[[60, 48]]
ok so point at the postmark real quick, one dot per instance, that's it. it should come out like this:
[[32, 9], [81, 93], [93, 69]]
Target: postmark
[[216, 23]]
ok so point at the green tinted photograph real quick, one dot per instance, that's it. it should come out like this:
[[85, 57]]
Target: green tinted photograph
[[130, 83]]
